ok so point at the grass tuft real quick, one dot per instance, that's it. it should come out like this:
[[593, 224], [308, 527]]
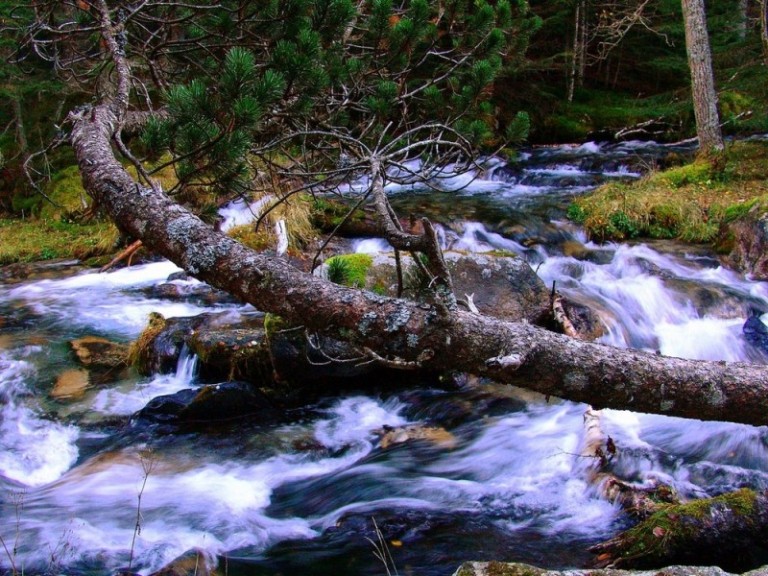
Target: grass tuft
[[40, 239]]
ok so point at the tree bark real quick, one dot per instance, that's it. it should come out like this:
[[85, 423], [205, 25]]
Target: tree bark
[[702, 79], [764, 29], [720, 530], [413, 334], [743, 23]]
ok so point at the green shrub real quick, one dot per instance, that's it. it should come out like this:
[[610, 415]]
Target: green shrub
[[349, 269]]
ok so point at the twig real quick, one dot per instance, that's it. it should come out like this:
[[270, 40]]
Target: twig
[[127, 253]]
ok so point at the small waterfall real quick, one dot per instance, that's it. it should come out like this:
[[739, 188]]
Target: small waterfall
[[186, 366]]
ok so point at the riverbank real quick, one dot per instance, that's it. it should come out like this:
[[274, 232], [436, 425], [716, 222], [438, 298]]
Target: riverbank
[[687, 202], [690, 202]]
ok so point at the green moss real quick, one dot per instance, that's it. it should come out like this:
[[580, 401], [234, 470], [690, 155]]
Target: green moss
[[688, 202], [502, 253], [349, 269], [735, 211], [273, 323], [697, 172], [139, 351], [676, 523]]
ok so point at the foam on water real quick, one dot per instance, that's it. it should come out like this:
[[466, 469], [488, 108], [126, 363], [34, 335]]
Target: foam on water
[[239, 212], [643, 311], [354, 421], [189, 502], [33, 449], [371, 246], [103, 302]]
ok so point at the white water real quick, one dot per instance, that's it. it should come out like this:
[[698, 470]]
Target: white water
[[106, 303], [131, 397], [33, 449], [242, 495]]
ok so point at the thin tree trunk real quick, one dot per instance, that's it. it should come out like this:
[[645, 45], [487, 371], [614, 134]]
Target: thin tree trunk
[[702, 79], [21, 134], [764, 29], [742, 24]]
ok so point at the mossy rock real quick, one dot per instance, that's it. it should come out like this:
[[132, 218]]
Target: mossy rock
[[519, 569], [500, 285], [143, 354]]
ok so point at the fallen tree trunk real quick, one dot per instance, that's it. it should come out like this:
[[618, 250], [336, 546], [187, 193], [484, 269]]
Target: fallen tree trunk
[[416, 335], [518, 569], [726, 530], [599, 450], [394, 331]]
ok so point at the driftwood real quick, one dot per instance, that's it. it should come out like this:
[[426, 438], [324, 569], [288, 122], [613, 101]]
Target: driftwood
[[561, 317], [127, 253], [598, 450]]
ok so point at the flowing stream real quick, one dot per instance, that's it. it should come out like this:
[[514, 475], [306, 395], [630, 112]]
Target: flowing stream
[[302, 496]]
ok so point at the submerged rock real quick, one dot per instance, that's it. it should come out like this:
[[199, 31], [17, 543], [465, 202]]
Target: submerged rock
[[222, 404], [194, 562], [434, 435], [71, 384], [96, 352]]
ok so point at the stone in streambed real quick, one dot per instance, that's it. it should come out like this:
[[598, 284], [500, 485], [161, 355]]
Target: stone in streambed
[[71, 384], [224, 403]]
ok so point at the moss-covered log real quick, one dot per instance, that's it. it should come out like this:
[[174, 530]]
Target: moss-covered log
[[730, 531], [518, 569]]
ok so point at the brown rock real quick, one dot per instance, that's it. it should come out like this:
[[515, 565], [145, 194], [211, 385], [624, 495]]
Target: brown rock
[[96, 352], [192, 563], [71, 384], [437, 436]]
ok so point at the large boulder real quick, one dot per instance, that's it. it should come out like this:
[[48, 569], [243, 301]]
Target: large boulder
[[157, 349], [746, 239], [499, 284]]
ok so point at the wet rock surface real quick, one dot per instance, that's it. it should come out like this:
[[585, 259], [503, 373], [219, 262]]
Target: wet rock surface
[[500, 285], [212, 405], [748, 238]]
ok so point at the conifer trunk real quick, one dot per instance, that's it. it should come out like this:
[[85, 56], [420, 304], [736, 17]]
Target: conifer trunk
[[702, 79]]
